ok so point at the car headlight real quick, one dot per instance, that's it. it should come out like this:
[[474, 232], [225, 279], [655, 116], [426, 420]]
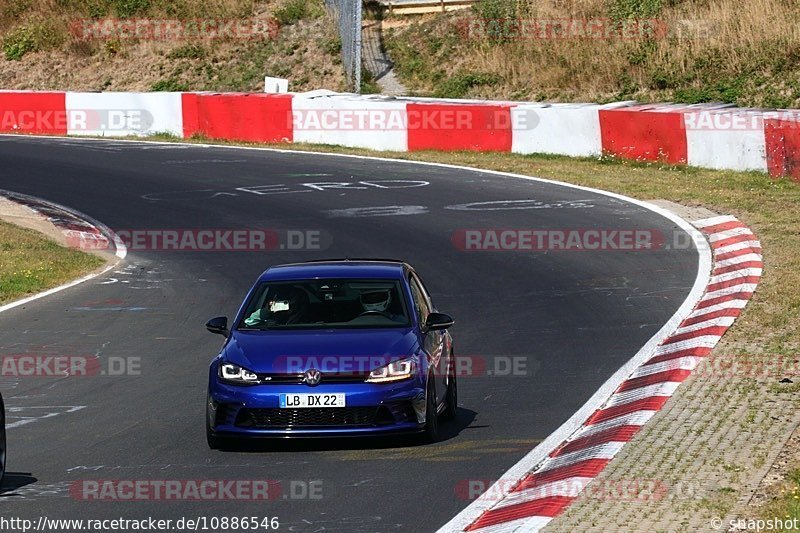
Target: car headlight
[[235, 374], [397, 371]]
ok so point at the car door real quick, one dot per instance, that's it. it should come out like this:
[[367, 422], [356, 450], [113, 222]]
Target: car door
[[435, 343]]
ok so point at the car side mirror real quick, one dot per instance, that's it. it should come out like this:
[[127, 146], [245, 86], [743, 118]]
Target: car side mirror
[[438, 322], [219, 326]]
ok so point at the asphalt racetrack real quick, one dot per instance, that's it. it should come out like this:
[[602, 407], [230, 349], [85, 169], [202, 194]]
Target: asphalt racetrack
[[564, 320]]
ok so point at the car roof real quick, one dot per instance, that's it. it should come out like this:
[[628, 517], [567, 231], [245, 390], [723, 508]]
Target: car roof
[[337, 268]]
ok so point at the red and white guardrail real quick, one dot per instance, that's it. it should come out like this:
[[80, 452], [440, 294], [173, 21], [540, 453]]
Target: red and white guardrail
[[711, 136]]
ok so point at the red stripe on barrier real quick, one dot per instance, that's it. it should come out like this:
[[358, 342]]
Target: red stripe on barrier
[[726, 298], [644, 136], [676, 375], [730, 311], [550, 507], [710, 230], [782, 139], [587, 468], [733, 240], [700, 351], [653, 403], [483, 128], [737, 253], [733, 282], [711, 330], [242, 117], [43, 113], [738, 266], [617, 434]]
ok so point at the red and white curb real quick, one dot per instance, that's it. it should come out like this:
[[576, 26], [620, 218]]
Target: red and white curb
[[531, 499]]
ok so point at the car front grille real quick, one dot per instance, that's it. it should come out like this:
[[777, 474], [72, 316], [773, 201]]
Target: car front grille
[[309, 417], [297, 379]]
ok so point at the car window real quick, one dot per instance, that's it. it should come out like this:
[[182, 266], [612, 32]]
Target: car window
[[424, 290], [326, 303], [421, 306]]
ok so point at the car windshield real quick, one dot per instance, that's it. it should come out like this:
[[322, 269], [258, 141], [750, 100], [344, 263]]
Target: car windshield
[[327, 303]]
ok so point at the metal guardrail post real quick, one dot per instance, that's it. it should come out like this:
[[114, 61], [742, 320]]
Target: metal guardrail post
[[358, 28]]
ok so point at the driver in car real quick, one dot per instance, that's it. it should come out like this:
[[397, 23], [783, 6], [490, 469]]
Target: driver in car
[[287, 306], [378, 302]]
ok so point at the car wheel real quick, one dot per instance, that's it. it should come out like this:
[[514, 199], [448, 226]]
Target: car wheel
[[451, 402], [214, 442], [431, 432]]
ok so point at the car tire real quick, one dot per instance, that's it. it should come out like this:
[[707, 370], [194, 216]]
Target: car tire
[[214, 442], [451, 405], [430, 433]]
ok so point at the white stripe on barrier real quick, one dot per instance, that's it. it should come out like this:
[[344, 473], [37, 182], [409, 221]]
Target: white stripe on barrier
[[376, 123], [714, 221], [556, 129], [724, 149], [744, 258], [666, 388], [637, 418], [724, 321], [737, 246], [727, 291], [728, 233], [704, 341], [603, 451], [681, 363], [124, 114], [568, 488], [743, 273]]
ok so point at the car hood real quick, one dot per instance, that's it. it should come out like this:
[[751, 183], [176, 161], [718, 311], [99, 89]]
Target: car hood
[[278, 352]]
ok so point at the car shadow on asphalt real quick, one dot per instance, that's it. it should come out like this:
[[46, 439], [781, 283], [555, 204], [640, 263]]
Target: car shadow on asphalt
[[447, 430], [13, 481]]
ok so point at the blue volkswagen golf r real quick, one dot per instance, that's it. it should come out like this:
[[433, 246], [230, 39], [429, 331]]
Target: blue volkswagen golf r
[[333, 348]]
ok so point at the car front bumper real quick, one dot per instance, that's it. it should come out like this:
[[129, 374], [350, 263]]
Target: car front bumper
[[371, 410]]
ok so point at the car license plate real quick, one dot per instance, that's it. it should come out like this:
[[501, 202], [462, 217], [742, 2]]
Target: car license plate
[[295, 401]]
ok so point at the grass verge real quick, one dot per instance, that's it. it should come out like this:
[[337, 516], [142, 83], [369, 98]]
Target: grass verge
[[31, 263], [786, 501]]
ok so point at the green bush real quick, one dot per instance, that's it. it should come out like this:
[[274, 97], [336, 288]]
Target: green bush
[[296, 10], [496, 9], [187, 51], [459, 85], [368, 83], [333, 45], [169, 85], [19, 42], [129, 8], [636, 9]]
